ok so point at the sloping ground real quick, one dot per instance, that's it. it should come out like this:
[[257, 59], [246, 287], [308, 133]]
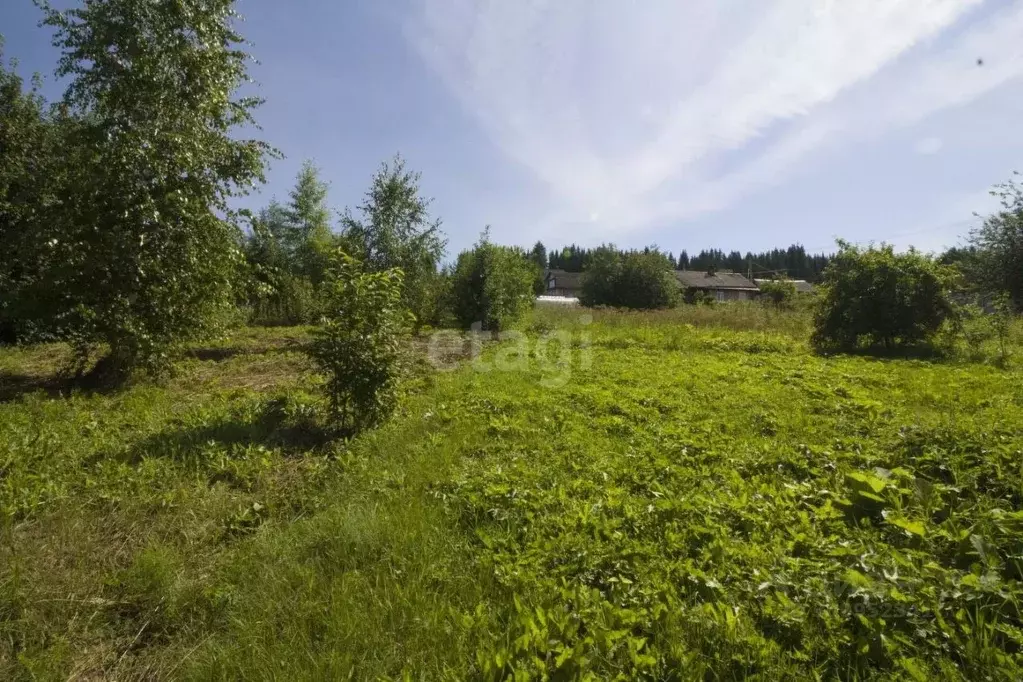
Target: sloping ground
[[666, 502]]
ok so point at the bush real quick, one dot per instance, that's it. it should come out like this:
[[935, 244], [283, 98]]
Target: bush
[[694, 296], [492, 285], [358, 343], [640, 280], [780, 292], [876, 297]]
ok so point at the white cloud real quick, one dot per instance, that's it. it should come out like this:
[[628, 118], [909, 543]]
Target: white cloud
[[637, 112]]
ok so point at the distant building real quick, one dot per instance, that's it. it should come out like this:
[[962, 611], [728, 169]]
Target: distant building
[[561, 283], [802, 286], [723, 285]]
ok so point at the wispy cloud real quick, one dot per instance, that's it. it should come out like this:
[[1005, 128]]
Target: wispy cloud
[[638, 112]]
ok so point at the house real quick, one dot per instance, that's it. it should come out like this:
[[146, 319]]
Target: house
[[561, 283], [802, 286], [723, 285]]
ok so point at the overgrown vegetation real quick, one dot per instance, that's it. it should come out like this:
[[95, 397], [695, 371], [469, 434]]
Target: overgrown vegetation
[[358, 343], [876, 297], [154, 163], [705, 497], [492, 285], [635, 279], [632, 491], [394, 230], [780, 292]]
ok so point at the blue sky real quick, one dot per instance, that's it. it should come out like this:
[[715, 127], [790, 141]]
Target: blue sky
[[708, 123]]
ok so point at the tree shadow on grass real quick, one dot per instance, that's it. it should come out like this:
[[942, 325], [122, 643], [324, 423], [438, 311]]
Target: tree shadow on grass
[[924, 353], [222, 353], [14, 385], [215, 354], [274, 426]]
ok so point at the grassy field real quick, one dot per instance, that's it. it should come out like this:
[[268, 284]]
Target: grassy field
[[664, 496]]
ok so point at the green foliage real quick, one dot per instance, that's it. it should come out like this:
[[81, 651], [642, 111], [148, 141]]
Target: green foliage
[[794, 261], [358, 343], [823, 533], [394, 230], [27, 184], [877, 297], [150, 158], [640, 280], [780, 292], [288, 253], [307, 236], [997, 264], [492, 285], [538, 256], [694, 296], [778, 514], [436, 299]]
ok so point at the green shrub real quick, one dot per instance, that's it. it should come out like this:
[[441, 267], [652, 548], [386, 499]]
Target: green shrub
[[492, 285], [640, 280], [780, 292], [694, 296], [877, 297], [358, 343]]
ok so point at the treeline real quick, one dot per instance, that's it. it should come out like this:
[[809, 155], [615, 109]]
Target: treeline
[[793, 262]]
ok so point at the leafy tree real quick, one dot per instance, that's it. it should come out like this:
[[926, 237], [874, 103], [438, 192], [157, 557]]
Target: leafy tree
[[358, 343], [959, 256], [998, 244], [26, 186], [394, 230], [877, 297], [599, 284], [492, 285], [638, 279], [145, 241]]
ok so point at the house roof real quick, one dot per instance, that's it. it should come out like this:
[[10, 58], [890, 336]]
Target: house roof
[[565, 280], [802, 286], [695, 279]]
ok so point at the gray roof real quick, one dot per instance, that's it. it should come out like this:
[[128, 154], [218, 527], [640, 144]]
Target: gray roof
[[565, 280], [694, 279], [802, 286]]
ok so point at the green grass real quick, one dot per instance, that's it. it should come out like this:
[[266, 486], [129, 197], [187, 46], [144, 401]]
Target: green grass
[[686, 495]]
